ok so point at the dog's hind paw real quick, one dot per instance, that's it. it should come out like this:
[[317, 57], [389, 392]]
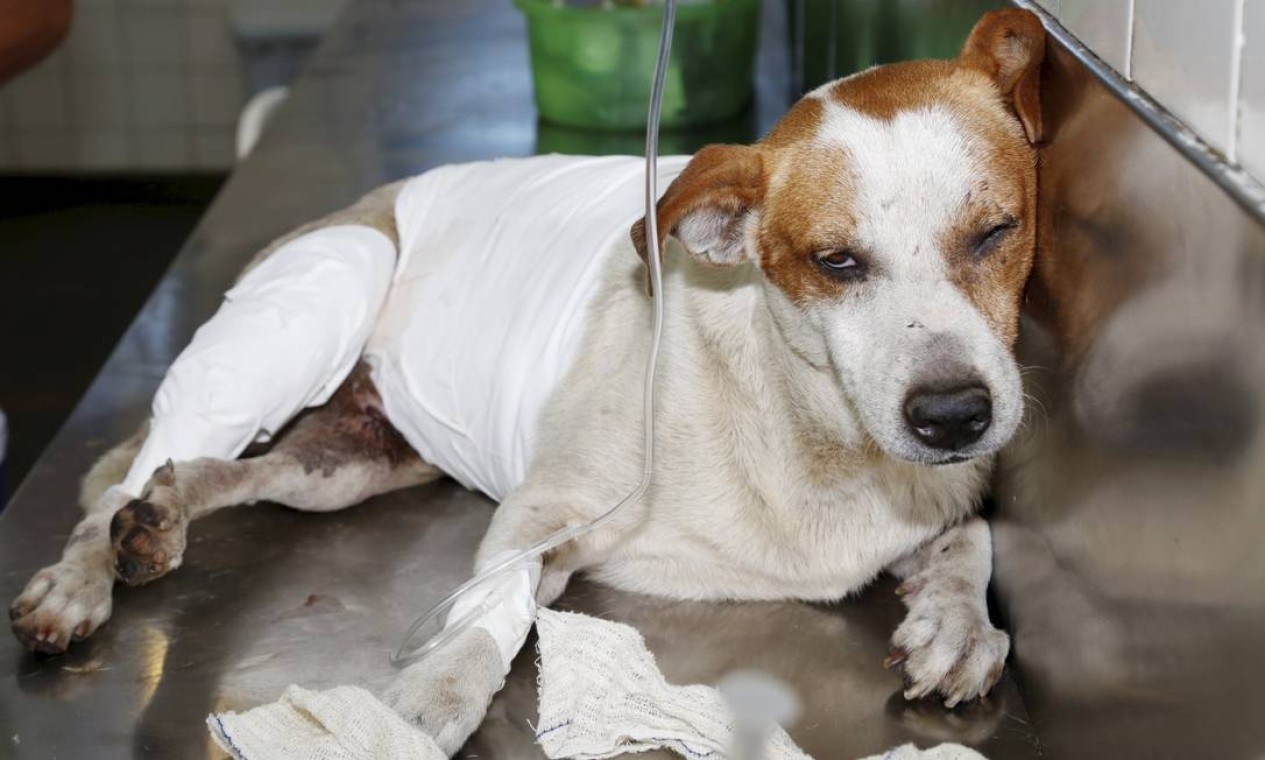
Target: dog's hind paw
[[148, 540], [62, 603], [947, 646]]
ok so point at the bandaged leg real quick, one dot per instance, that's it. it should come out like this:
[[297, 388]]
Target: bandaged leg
[[447, 694], [284, 339]]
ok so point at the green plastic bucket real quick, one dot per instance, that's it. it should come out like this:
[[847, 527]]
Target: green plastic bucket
[[593, 65]]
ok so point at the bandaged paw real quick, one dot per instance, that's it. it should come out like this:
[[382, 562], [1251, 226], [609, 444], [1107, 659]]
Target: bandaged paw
[[503, 605]]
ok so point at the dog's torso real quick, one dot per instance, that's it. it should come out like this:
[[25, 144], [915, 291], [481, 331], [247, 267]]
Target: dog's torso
[[498, 264], [526, 353], [765, 484]]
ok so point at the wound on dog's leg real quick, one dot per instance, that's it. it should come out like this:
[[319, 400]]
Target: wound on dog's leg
[[284, 339]]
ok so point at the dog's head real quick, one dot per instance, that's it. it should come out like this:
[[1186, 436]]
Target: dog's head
[[893, 214]]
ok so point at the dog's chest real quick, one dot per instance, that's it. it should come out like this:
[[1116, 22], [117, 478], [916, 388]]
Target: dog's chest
[[817, 542]]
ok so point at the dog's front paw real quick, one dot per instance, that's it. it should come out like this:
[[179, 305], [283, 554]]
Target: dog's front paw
[[947, 646], [148, 539], [447, 694], [62, 603]]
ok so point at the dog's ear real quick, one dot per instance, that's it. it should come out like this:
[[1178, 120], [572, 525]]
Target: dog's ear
[[1009, 46], [707, 205]]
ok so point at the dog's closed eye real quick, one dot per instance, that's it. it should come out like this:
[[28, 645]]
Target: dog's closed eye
[[985, 243]]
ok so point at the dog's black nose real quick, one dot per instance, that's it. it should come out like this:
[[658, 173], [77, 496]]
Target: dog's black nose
[[949, 418]]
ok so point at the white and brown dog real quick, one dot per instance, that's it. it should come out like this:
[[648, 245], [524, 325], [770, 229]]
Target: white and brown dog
[[837, 372]]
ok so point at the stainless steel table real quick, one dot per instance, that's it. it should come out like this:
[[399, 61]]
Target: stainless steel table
[[269, 597]]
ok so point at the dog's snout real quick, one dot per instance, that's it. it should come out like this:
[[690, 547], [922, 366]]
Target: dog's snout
[[949, 418]]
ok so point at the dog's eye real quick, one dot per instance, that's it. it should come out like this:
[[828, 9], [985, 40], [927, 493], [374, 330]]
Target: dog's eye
[[989, 240], [841, 263]]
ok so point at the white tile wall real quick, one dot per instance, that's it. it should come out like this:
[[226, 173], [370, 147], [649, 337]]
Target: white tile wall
[[158, 100], [163, 148], [1203, 60], [95, 41], [216, 98], [211, 45], [1252, 106], [1185, 54], [1106, 26], [99, 102], [154, 37], [46, 149], [104, 149], [154, 84]]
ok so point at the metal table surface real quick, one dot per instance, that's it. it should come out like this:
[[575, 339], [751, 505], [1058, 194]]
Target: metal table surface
[[268, 597]]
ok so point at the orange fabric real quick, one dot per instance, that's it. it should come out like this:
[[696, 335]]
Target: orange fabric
[[29, 31]]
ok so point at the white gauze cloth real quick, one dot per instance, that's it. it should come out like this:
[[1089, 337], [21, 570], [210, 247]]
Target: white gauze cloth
[[285, 338], [600, 692], [345, 723], [499, 261], [601, 695]]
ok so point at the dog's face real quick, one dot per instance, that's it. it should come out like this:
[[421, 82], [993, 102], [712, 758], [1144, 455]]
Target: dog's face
[[893, 216]]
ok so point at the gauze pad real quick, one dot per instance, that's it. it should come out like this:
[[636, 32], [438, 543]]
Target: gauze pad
[[286, 336]]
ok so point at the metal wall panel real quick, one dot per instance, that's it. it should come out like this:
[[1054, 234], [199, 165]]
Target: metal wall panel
[[1130, 558]]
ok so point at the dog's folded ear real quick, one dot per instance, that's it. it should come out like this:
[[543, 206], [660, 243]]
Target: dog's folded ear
[[1009, 46], [707, 205]]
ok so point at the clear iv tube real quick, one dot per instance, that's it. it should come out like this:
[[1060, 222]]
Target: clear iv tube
[[404, 655]]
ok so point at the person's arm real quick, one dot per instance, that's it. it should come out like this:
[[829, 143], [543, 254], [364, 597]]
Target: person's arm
[[30, 30]]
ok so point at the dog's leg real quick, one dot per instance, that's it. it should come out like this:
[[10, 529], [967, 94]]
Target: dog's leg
[[447, 695], [71, 599], [946, 643], [331, 457]]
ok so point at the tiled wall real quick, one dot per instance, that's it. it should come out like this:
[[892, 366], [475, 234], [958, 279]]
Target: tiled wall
[[138, 84], [1204, 60]]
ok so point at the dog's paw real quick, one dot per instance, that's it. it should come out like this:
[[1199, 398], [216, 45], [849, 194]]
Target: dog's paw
[[148, 537], [62, 603], [947, 646], [447, 694]]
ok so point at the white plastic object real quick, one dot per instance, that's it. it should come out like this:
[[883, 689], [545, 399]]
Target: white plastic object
[[255, 116], [286, 336], [759, 704]]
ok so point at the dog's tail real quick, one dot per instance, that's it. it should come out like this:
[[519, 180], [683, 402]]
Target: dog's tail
[[111, 468]]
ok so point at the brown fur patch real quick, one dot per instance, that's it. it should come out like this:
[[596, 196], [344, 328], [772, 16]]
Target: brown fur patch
[[360, 430]]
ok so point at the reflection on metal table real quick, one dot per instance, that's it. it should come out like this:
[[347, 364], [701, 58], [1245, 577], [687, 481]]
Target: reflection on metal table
[[269, 597]]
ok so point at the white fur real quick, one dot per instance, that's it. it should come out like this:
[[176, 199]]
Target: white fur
[[910, 177]]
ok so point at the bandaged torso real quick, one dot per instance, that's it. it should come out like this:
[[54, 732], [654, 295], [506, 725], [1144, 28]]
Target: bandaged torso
[[498, 265]]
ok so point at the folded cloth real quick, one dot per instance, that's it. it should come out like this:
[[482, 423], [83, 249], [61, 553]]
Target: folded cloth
[[344, 723]]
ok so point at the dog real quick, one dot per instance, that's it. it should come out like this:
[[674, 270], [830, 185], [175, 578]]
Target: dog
[[843, 300]]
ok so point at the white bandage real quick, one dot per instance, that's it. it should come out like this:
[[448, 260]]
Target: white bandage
[[511, 602], [284, 339]]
